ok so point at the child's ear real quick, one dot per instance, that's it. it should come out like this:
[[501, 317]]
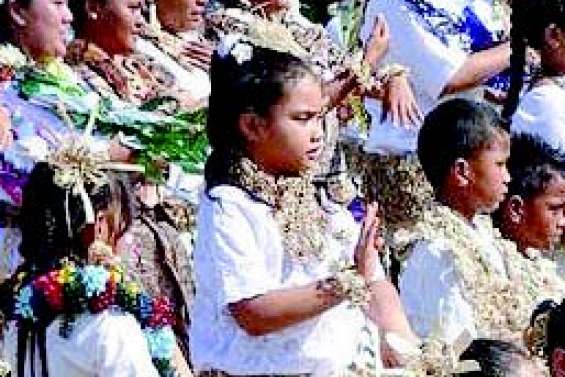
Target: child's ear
[[516, 209], [461, 171], [252, 127]]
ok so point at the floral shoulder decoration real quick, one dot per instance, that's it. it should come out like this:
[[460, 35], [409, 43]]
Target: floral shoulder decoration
[[501, 305], [72, 290], [12, 60]]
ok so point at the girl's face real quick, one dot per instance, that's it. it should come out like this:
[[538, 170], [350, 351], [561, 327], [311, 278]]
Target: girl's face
[[543, 216], [489, 175], [289, 139], [119, 22], [43, 27]]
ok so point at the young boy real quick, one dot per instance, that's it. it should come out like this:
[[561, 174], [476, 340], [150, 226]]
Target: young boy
[[463, 150], [532, 216]]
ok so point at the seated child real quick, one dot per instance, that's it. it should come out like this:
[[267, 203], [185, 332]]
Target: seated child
[[454, 262]]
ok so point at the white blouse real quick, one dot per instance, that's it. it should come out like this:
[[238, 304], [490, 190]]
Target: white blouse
[[541, 112], [431, 63], [239, 255], [432, 292], [109, 344]]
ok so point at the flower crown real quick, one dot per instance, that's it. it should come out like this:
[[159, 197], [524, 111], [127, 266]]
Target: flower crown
[[77, 162], [244, 30]]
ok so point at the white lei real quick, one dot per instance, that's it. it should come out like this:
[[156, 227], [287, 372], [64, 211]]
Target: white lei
[[501, 306]]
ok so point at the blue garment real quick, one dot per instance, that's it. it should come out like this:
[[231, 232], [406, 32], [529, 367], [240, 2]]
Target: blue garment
[[467, 29]]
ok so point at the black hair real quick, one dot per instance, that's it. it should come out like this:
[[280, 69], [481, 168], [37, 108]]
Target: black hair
[[532, 165], [495, 357], [5, 21], [554, 335], [529, 20], [455, 129], [251, 87], [53, 226]]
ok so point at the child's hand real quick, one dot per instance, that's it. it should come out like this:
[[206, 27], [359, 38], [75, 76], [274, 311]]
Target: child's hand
[[5, 129], [369, 244], [399, 103], [377, 45]]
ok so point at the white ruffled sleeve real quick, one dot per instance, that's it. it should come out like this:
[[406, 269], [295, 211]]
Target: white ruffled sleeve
[[432, 296], [239, 268]]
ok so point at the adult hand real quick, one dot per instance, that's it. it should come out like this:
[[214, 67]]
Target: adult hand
[[369, 244], [399, 103], [6, 137], [377, 45], [199, 54]]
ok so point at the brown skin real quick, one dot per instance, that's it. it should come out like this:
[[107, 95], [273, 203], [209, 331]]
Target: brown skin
[[181, 15], [287, 141], [478, 68], [552, 53], [121, 21], [41, 29], [536, 222], [6, 137], [479, 183]]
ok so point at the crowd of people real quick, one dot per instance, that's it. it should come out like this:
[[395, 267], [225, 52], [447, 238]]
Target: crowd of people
[[228, 188]]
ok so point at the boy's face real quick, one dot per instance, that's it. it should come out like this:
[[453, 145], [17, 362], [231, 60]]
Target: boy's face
[[543, 216], [489, 176]]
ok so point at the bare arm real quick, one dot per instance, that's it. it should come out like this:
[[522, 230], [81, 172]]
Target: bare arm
[[277, 310], [478, 68]]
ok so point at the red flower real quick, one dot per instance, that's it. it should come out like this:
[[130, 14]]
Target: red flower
[[163, 313], [101, 302], [51, 289]]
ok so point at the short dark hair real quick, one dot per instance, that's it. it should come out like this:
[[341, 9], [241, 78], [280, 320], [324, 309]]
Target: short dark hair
[[532, 165], [495, 357], [455, 129]]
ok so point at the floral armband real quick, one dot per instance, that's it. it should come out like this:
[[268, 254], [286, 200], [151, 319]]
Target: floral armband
[[388, 72], [349, 284]]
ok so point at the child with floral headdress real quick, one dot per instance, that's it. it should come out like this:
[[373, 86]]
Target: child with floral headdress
[[282, 285], [455, 278], [69, 310], [345, 71]]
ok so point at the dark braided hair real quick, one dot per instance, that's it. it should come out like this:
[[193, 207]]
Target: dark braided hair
[[53, 226], [254, 86], [530, 18]]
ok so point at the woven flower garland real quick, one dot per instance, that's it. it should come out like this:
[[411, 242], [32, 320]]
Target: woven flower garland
[[72, 290]]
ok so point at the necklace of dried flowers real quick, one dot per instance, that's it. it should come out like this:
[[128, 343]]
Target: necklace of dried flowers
[[72, 290], [134, 78], [501, 306], [301, 219]]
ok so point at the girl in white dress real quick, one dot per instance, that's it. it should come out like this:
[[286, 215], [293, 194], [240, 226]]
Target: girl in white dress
[[283, 286], [51, 331]]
